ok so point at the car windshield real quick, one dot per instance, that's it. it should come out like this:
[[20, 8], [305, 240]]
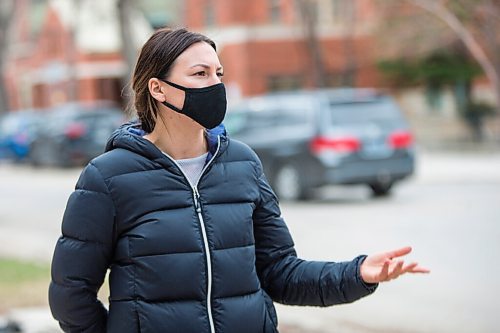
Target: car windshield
[[366, 111]]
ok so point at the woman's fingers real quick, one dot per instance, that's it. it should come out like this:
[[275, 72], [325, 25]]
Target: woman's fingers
[[399, 252], [420, 270], [399, 269], [410, 267], [391, 269], [415, 268], [385, 270], [396, 271]]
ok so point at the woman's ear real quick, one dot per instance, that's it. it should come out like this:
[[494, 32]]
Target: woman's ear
[[155, 89]]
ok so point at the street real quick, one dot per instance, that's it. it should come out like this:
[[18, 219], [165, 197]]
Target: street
[[449, 212]]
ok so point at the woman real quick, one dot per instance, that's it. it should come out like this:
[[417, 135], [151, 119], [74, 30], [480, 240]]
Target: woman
[[185, 220]]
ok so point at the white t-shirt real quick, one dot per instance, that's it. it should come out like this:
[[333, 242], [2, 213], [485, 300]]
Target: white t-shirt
[[192, 167]]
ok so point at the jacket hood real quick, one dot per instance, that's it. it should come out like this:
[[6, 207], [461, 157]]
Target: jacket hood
[[129, 136]]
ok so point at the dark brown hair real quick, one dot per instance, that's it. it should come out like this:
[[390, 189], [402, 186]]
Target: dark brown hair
[[155, 60]]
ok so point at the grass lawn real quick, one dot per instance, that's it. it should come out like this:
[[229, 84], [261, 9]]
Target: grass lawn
[[22, 283]]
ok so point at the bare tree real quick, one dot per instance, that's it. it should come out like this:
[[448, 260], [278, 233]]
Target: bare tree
[[349, 43], [309, 15], [71, 56], [473, 21], [7, 9], [128, 48]]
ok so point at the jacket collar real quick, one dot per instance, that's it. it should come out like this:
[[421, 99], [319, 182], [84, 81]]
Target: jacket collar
[[130, 136]]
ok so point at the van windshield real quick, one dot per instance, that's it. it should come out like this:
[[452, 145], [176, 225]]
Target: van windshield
[[265, 115], [358, 112]]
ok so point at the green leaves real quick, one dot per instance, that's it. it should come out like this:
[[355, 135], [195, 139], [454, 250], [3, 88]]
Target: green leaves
[[438, 69]]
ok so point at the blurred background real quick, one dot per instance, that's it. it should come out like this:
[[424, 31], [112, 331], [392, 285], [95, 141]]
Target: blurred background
[[378, 123]]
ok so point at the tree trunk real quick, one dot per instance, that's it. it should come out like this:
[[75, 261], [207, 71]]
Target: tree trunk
[[350, 71], [128, 48], [7, 9], [72, 85], [308, 10]]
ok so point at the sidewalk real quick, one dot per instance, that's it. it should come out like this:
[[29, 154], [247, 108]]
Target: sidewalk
[[29, 320], [39, 320]]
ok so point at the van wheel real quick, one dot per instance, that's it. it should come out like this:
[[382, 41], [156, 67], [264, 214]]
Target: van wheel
[[288, 184], [381, 189]]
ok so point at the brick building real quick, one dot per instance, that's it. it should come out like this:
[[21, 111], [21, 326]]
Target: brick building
[[70, 50], [265, 45], [67, 51]]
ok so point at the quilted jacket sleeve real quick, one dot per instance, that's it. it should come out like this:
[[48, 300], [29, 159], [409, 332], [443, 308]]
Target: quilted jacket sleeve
[[82, 256], [290, 280]]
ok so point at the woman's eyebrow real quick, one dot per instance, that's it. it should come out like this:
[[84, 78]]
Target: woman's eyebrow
[[206, 66]]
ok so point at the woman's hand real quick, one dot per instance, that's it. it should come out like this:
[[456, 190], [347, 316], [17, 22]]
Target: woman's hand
[[385, 267]]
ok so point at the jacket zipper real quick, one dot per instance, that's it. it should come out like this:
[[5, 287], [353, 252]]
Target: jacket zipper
[[207, 257], [196, 197]]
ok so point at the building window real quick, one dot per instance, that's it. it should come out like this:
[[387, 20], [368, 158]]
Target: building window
[[274, 10], [108, 89], [343, 10], [210, 13], [333, 80], [340, 79], [284, 82], [309, 11]]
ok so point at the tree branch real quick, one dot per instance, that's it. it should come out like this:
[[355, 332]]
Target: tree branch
[[467, 38]]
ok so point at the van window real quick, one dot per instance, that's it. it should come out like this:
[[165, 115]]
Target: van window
[[293, 116], [240, 121], [269, 114], [357, 112]]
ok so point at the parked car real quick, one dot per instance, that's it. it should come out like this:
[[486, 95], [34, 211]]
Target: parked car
[[307, 139], [74, 133], [17, 131]]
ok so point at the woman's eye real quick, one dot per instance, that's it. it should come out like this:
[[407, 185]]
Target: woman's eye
[[220, 74], [202, 73]]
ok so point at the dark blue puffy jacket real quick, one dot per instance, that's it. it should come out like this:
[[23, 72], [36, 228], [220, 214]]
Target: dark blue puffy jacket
[[183, 259]]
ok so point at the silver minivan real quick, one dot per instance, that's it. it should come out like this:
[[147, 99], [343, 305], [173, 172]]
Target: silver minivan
[[307, 139]]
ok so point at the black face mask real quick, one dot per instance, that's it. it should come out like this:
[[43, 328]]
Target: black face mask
[[206, 106]]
